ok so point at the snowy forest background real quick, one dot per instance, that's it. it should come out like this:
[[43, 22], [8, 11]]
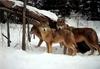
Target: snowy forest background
[[64, 8], [89, 8]]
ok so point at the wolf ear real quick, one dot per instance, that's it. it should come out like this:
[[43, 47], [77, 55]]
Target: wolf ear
[[61, 21]]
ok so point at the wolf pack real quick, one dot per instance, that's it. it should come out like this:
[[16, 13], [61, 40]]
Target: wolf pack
[[67, 36]]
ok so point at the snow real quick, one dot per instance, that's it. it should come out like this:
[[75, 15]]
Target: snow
[[37, 11], [88, 1], [17, 3], [17, 59], [43, 12]]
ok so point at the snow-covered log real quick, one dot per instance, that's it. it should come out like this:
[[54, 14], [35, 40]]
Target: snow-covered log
[[31, 12]]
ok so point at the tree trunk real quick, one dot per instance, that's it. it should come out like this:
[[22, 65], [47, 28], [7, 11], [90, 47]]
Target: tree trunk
[[8, 33], [24, 27], [28, 27]]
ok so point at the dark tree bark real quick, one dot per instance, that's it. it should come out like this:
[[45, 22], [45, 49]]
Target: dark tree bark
[[28, 27], [24, 26], [8, 33]]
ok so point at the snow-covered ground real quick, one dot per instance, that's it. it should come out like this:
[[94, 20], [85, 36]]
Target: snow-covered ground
[[17, 59], [38, 58]]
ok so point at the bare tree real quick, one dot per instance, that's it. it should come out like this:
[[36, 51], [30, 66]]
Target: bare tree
[[8, 33], [24, 27]]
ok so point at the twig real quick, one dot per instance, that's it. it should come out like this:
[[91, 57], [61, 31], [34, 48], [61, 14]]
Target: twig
[[6, 37]]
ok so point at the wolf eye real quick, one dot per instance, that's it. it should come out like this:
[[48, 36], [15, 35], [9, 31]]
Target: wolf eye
[[44, 29]]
